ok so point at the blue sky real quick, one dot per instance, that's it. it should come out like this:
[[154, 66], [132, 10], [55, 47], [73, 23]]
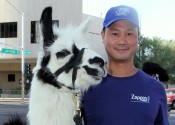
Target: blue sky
[[157, 17]]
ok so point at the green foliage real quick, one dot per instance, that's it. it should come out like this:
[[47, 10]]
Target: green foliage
[[158, 51]]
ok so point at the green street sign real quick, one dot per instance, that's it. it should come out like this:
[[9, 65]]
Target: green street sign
[[27, 52], [10, 51]]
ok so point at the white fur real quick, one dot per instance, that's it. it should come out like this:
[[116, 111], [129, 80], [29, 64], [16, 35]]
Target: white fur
[[49, 105]]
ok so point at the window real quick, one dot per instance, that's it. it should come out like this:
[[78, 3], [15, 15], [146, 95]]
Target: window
[[35, 30], [11, 77], [8, 30]]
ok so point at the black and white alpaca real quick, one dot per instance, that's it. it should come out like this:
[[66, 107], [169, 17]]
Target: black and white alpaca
[[63, 65]]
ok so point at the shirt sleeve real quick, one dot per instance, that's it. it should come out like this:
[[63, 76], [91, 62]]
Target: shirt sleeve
[[162, 116]]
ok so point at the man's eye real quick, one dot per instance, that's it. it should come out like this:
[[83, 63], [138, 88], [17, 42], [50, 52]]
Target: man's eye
[[62, 53], [115, 34], [129, 34]]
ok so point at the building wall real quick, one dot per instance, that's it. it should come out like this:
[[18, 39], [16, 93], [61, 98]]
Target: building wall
[[9, 14], [4, 84], [5, 70], [94, 35], [11, 68], [66, 11]]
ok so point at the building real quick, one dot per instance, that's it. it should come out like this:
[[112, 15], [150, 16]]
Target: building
[[65, 12]]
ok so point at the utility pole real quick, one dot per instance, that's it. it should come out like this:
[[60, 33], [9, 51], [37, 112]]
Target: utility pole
[[22, 62], [22, 51]]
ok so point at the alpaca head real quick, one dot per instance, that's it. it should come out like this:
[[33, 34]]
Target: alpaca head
[[65, 60]]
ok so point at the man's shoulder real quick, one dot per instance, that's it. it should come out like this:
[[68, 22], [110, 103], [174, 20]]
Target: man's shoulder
[[151, 82]]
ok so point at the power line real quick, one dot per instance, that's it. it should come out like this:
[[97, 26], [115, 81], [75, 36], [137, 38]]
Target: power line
[[14, 7]]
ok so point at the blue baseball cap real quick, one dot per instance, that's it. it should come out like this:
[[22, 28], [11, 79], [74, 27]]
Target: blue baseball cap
[[121, 12]]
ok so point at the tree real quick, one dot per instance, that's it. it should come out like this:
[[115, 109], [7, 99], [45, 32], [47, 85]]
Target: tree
[[159, 51]]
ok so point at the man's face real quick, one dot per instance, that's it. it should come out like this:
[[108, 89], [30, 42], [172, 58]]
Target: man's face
[[120, 40]]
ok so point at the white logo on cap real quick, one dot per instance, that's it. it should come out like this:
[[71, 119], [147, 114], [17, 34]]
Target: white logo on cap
[[122, 11]]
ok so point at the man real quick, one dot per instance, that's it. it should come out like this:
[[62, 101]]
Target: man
[[127, 96]]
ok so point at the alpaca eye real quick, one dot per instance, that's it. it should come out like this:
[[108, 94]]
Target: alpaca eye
[[98, 63], [62, 54]]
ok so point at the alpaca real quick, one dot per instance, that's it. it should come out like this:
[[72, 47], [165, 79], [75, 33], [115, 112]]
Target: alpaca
[[65, 67]]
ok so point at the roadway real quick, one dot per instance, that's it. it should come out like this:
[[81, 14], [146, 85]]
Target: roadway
[[9, 108]]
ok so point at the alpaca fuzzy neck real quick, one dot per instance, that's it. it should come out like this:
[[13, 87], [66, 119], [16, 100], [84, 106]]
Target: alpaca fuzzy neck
[[52, 105]]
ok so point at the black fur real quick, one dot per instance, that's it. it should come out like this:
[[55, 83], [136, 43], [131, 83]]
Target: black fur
[[91, 71], [62, 53], [46, 76], [15, 120], [97, 60], [76, 51], [46, 25], [70, 64], [45, 60]]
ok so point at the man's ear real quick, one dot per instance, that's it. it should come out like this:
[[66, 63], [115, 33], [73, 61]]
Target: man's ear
[[103, 34]]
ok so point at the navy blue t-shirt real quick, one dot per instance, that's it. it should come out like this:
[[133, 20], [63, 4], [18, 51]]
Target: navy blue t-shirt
[[135, 100]]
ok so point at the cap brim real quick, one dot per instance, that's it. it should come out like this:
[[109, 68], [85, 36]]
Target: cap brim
[[112, 21]]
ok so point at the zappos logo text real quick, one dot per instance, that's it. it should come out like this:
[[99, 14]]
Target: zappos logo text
[[122, 11], [142, 99]]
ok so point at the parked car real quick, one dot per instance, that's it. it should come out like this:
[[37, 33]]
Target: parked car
[[170, 92]]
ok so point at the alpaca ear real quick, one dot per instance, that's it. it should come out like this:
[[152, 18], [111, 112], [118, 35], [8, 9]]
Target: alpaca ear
[[46, 27], [84, 26]]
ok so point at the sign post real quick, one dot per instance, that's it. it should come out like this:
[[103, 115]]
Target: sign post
[[22, 49]]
